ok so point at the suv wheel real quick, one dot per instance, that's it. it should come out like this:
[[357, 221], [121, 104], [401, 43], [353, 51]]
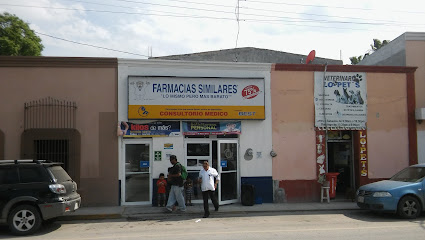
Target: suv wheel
[[23, 220]]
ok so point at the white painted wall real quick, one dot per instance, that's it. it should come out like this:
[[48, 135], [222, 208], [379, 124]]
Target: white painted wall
[[256, 134]]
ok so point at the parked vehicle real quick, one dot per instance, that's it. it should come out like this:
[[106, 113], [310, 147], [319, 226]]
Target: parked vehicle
[[33, 191], [403, 194]]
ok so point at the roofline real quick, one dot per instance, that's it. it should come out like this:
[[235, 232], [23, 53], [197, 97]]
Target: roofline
[[236, 49], [414, 36], [343, 68], [82, 62], [195, 64]]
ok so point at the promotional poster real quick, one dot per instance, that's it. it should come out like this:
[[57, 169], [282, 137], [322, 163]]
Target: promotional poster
[[340, 100], [153, 129], [211, 128]]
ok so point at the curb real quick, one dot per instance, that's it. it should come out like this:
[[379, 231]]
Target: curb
[[90, 217], [146, 216]]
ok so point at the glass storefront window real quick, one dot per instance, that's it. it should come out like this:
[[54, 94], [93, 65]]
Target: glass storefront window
[[198, 149], [137, 176], [135, 156], [229, 154]]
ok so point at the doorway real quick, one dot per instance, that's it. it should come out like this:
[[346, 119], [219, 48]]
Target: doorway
[[340, 160], [221, 155], [135, 187]]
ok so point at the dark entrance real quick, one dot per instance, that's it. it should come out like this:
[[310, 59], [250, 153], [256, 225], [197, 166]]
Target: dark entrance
[[340, 160]]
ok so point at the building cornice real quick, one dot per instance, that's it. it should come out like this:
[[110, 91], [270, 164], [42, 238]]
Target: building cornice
[[343, 68], [80, 62], [151, 63]]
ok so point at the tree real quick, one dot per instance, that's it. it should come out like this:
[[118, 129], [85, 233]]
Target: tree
[[377, 44], [16, 37], [354, 60]]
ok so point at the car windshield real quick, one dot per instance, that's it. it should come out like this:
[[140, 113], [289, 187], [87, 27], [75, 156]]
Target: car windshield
[[410, 174], [60, 174]]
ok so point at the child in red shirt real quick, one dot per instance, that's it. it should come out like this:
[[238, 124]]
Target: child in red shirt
[[161, 184]]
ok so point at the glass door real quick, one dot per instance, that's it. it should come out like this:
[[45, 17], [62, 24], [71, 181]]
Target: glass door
[[136, 187], [197, 152], [227, 151]]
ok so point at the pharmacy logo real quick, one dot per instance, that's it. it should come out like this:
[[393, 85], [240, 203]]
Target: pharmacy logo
[[142, 111]]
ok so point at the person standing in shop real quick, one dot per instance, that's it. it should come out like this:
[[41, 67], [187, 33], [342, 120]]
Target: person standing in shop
[[176, 182], [208, 178], [161, 184]]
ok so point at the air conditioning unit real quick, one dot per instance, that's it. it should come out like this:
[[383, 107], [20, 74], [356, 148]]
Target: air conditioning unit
[[420, 113]]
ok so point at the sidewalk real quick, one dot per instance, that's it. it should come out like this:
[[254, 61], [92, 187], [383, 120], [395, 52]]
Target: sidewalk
[[147, 211]]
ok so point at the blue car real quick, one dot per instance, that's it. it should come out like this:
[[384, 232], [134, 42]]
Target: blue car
[[403, 194]]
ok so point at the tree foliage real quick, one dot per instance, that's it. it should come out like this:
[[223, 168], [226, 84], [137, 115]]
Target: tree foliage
[[16, 37], [354, 60], [377, 44]]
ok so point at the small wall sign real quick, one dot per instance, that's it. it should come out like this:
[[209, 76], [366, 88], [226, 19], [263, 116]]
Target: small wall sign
[[157, 155]]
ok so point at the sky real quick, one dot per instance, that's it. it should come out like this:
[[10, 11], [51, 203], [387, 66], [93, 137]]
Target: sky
[[138, 29]]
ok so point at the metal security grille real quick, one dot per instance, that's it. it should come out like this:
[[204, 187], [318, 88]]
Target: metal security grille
[[50, 113], [52, 150]]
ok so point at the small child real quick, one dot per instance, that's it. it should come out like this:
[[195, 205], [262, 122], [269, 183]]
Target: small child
[[161, 184], [188, 186]]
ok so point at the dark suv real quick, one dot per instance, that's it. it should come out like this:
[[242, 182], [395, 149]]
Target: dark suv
[[32, 191]]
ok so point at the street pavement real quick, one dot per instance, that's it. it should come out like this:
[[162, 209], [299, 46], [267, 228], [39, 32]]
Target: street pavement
[[148, 211]]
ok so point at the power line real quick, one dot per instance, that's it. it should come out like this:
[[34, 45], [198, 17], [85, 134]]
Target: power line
[[215, 18], [207, 4], [90, 45], [322, 6], [240, 7], [237, 20], [173, 6], [117, 12], [290, 4]]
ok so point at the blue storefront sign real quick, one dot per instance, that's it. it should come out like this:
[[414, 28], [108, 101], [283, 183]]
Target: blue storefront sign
[[211, 128], [223, 163], [144, 164]]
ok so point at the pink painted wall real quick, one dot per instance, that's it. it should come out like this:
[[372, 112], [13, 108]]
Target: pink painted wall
[[293, 124], [72, 84], [388, 150], [415, 57], [92, 84]]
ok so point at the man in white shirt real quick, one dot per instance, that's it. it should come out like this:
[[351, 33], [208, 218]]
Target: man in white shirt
[[207, 175]]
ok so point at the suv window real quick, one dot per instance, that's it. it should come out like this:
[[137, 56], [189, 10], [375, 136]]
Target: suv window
[[32, 174], [60, 174], [8, 175]]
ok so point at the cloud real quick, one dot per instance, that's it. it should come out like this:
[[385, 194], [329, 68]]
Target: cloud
[[295, 27]]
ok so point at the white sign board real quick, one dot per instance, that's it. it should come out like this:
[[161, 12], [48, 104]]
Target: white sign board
[[195, 98], [345, 101]]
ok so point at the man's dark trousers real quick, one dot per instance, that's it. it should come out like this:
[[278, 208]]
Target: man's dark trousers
[[213, 199]]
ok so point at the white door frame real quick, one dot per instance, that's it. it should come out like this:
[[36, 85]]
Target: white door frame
[[220, 171], [123, 173], [197, 168]]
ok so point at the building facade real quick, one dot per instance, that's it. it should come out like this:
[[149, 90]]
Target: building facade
[[368, 132], [63, 109], [407, 50], [198, 111], [114, 124]]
